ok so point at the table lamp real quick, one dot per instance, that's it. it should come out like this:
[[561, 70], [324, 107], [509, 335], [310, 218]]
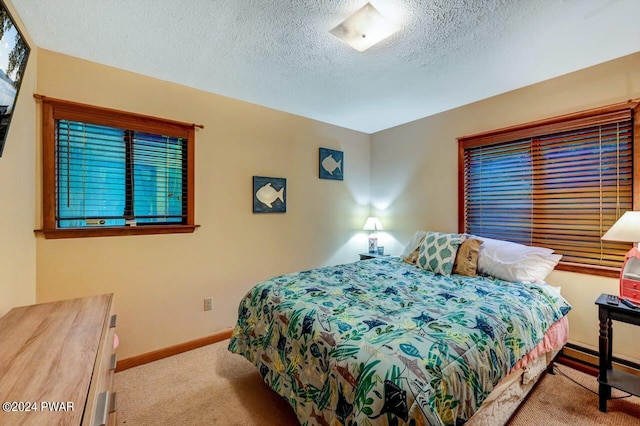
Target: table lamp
[[627, 229], [373, 224]]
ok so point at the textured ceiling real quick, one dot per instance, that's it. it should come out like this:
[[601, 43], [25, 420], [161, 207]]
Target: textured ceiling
[[280, 54]]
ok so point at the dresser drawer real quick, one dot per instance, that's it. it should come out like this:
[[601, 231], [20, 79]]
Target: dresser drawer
[[104, 413], [58, 352], [631, 285], [630, 289], [102, 396], [630, 293]]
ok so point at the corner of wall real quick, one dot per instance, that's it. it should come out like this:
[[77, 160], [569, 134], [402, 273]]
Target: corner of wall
[[17, 186]]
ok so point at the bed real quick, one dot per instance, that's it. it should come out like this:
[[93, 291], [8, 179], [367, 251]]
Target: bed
[[381, 341]]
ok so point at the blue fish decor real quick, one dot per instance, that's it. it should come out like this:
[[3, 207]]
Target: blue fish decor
[[409, 349], [331, 164], [269, 195]]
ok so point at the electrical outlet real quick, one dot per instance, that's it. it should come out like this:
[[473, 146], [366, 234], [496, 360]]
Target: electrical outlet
[[208, 303]]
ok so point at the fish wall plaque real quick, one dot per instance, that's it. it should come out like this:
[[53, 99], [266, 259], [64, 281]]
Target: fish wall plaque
[[269, 195], [331, 164]]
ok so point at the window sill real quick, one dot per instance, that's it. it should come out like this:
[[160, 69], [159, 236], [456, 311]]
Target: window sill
[[116, 231], [602, 271]]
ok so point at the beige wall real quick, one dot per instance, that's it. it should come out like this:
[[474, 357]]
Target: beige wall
[[160, 281], [17, 194], [414, 171]]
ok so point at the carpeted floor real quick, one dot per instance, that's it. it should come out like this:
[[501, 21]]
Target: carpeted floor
[[560, 401], [211, 386]]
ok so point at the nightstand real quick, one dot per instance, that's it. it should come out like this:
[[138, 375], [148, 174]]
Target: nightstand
[[609, 377], [365, 256]]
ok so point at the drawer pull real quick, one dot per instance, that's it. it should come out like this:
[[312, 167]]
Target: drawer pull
[[112, 403], [102, 411], [114, 362], [112, 324]]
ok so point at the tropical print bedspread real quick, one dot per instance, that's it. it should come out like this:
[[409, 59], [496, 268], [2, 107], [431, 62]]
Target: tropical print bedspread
[[383, 342]]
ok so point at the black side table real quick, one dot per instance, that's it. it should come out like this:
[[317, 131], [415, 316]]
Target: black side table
[[365, 256], [608, 376]]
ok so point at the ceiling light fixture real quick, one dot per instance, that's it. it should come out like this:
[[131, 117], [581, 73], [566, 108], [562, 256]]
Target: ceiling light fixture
[[364, 28]]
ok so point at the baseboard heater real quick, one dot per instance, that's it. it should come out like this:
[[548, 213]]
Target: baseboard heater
[[590, 358]]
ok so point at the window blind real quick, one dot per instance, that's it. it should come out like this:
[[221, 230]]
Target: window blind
[[560, 185], [108, 176]]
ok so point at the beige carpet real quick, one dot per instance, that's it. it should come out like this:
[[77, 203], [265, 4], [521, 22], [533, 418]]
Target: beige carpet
[[559, 401], [210, 386]]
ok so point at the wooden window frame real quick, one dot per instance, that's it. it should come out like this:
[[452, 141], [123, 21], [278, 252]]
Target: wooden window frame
[[54, 109], [549, 126]]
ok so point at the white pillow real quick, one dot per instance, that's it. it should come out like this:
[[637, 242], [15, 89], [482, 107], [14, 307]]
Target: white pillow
[[527, 270], [515, 262], [499, 250], [413, 244]]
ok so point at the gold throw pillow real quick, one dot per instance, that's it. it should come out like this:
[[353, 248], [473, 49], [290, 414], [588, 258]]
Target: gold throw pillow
[[467, 258]]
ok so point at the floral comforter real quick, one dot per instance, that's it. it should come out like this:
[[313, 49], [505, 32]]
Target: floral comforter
[[383, 342]]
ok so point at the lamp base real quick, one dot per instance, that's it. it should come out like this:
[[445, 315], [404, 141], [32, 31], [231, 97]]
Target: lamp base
[[373, 245]]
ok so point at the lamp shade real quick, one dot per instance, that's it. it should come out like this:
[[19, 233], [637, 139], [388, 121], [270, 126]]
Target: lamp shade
[[373, 224], [627, 228]]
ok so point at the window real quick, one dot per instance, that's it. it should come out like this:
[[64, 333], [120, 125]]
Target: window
[[108, 172], [558, 183]]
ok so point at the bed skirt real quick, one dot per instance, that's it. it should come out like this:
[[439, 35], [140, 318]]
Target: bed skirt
[[505, 399]]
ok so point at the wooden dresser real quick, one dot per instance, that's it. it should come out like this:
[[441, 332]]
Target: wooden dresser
[[57, 363]]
